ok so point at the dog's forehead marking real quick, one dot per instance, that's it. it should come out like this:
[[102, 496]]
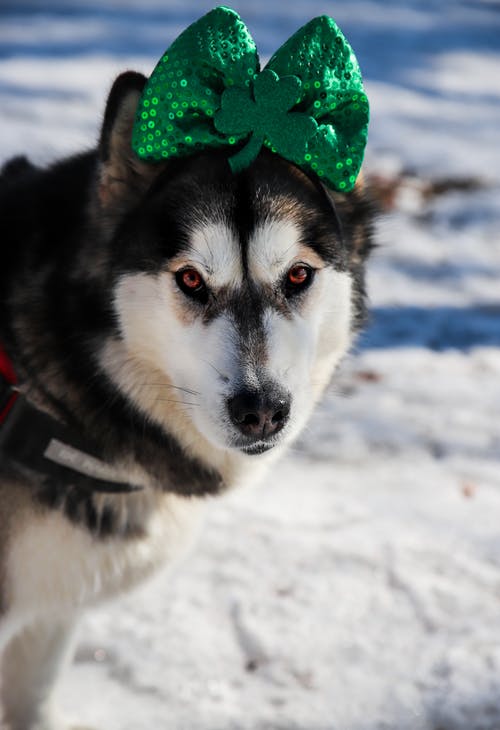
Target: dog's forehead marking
[[214, 248], [273, 246]]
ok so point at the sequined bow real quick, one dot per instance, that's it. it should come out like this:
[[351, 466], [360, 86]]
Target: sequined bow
[[307, 104]]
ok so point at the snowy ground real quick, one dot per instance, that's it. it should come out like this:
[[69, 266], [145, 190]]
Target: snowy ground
[[358, 588]]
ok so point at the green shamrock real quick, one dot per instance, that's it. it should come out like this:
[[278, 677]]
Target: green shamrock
[[266, 116]]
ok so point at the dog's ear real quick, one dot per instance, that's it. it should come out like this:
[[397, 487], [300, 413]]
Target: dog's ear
[[124, 178], [356, 212]]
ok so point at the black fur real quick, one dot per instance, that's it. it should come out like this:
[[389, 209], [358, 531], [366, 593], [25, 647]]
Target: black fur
[[62, 248]]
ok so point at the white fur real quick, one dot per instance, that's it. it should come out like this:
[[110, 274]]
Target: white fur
[[297, 357], [181, 353], [31, 665], [214, 250], [99, 569], [54, 571], [272, 249]]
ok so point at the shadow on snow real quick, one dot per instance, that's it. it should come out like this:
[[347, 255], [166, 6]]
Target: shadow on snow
[[437, 328]]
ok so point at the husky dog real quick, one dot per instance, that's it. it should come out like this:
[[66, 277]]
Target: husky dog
[[184, 318]]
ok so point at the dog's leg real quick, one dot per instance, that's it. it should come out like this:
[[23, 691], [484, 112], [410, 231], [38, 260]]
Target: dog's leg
[[30, 665]]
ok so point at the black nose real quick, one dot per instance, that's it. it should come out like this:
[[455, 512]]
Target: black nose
[[259, 414]]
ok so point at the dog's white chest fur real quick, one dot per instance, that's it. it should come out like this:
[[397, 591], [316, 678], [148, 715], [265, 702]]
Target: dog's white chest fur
[[64, 568]]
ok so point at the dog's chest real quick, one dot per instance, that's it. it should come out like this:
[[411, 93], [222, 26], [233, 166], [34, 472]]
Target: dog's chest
[[63, 567]]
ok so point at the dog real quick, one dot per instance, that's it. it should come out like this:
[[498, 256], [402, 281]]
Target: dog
[[182, 318]]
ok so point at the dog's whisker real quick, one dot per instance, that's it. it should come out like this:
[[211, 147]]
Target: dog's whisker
[[166, 385], [224, 377], [173, 400]]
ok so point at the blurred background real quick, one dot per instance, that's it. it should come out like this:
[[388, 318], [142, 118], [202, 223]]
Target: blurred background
[[358, 588]]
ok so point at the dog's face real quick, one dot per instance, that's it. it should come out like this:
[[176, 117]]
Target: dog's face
[[237, 290]]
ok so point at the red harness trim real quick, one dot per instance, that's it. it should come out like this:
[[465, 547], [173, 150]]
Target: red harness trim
[[8, 375]]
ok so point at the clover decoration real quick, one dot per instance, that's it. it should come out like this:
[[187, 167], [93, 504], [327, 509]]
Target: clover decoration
[[307, 105], [266, 117]]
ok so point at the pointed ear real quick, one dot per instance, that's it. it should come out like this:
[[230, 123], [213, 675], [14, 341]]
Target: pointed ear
[[357, 212], [124, 178]]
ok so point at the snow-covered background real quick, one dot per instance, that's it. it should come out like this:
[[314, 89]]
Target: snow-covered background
[[358, 588]]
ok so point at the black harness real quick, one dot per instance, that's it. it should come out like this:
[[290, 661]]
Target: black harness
[[39, 443]]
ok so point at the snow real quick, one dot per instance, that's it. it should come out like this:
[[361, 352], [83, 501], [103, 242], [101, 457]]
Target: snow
[[357, 588]]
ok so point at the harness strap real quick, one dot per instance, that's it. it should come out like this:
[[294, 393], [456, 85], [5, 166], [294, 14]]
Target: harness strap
[[38, 442]]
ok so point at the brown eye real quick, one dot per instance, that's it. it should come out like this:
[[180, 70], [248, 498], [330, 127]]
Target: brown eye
[[298, 275], [298, 279], [191, 283], [191, 279]]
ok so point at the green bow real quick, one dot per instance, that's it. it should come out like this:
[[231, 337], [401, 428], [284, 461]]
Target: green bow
[[307, 105]]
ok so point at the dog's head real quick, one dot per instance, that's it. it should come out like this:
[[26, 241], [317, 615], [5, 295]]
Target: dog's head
[[235, 295]]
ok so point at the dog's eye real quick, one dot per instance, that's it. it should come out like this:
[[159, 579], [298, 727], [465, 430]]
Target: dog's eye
[[191, 279], [191, 283], [297, 279]]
